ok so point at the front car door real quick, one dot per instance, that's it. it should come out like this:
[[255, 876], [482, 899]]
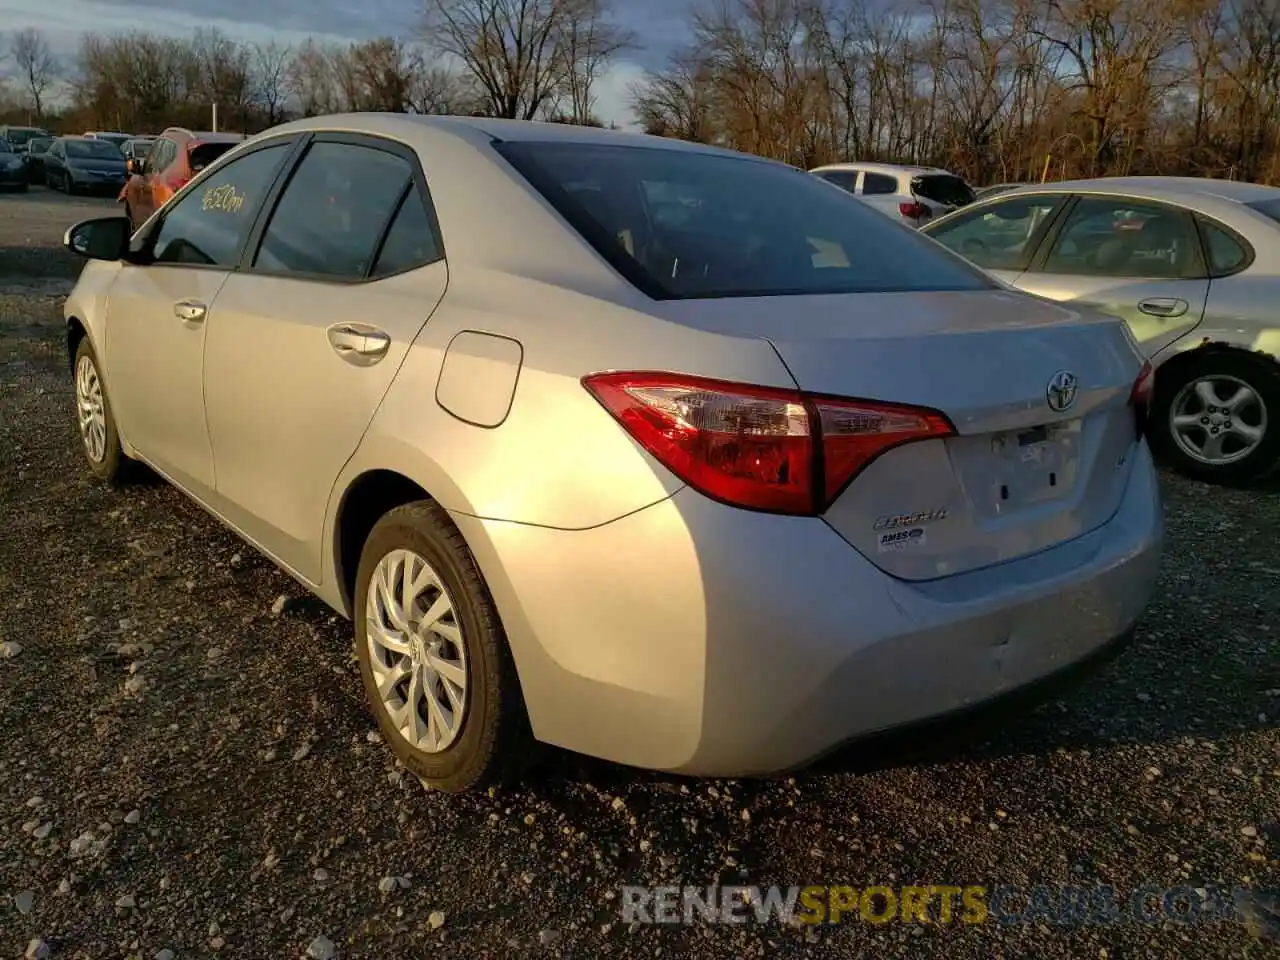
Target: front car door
[[1000, 237], [160, 311], [334, 287], [1138, 260]]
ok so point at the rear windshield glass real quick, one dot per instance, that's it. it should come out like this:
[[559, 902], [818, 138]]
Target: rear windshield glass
[[93, 149], [1268, 208], [943, 188], [18, 136], [681, 224], [203, 154]]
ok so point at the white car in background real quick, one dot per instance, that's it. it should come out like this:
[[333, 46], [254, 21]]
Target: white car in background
[[914, 195]]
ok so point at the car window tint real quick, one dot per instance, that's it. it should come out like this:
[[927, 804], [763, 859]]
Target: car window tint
[[208, 225], [943, 188], [1226, 255], [873, 183], [998, 237], [332, 213], [1106, 237], [686, 223], [845, 179], [410, 242]]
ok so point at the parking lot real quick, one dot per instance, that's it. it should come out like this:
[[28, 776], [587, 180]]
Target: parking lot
[[187, 762]]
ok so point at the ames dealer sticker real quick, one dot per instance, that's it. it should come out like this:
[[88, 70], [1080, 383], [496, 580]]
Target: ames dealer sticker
[[896, 540]]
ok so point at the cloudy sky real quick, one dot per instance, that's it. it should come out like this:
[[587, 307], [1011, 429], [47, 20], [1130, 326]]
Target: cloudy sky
[[658, 25]]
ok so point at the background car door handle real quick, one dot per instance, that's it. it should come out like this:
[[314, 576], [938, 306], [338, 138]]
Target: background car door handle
[[1163, 307], [190, 311], [358, 345]]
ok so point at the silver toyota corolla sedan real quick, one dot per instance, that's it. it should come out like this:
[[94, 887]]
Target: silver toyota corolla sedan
[[654, 451], [1192, 265]]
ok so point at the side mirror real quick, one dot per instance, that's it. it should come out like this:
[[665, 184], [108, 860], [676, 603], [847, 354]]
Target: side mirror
[[103, 238]]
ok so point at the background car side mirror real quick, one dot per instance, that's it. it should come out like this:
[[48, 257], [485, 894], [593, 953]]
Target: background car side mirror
[[134, 166], [103, 238]]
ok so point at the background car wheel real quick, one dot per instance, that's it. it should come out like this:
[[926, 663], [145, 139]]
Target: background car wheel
[[1214, 416], [435, 662], [97, 424]]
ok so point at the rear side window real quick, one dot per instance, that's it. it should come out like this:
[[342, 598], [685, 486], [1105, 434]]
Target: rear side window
[[410, 242], [943, 188], [203, 154], [685, 224], [844, 179], [873, 183], [1226, 254], [333, 212]]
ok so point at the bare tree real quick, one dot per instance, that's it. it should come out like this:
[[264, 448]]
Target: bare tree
[[36, 64], [270, 79], [311, 80], [589, 43], [513, 48]]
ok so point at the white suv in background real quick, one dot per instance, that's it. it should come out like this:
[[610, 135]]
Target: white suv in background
[[915, 195]]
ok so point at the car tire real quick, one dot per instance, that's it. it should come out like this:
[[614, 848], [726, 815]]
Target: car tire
[[490, 740], [1185, 420], [99, 437]]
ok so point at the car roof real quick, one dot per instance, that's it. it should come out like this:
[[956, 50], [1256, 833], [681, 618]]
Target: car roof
[[1186, 190], [883, 168], [409, 127]]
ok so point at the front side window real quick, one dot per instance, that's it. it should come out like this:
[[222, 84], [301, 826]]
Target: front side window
[[1106, 237], [332, 213], [165, 151], [745, 227], [1000, 236], [209, 224]]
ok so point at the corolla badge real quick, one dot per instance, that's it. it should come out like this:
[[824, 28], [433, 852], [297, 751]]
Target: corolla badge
[[1061, 392]]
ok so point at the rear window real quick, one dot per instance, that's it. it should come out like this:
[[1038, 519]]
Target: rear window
[[19, 135], [203, 154], [682, 224], [1268, 208], [943, 188]]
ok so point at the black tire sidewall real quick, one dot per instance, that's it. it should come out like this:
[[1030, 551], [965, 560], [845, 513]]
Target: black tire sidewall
[[109, 468], [473, 758], [1260, 373]]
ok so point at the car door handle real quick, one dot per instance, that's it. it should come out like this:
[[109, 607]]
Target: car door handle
[[358, 345], [1163, 307], [190, 311]]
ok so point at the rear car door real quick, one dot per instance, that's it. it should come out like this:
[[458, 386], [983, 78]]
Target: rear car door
[[337, 282], [1137, 260], [1001, 237], [160, 313]]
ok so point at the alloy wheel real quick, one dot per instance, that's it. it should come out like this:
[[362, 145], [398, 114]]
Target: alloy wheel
[[1218, 419], [91, 409], [417, 651]]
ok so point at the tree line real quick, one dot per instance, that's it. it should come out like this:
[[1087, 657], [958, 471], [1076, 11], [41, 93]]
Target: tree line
[[997, 90]]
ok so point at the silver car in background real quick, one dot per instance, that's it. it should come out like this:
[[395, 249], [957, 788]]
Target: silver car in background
[[653, 451], [1192, 265]]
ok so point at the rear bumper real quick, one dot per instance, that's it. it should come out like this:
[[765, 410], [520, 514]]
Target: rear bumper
[[697, 638]]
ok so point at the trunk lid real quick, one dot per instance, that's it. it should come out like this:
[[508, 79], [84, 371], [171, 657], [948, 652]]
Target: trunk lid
[[1019, 476]]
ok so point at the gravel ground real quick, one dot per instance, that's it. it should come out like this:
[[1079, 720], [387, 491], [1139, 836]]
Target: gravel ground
[[183, 769]]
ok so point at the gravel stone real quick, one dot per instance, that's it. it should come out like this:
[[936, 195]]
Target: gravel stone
[[24, 900], [10, 649], [322, 948], [435, 920], [37, 949]]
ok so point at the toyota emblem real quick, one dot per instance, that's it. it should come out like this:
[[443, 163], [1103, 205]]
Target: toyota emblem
[[1061, 392]]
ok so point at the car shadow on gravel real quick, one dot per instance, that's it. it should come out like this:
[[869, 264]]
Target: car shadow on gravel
[[34, 263]]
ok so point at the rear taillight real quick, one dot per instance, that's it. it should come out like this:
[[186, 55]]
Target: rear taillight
[[913, 210], [761, 448], [1140, 395]]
